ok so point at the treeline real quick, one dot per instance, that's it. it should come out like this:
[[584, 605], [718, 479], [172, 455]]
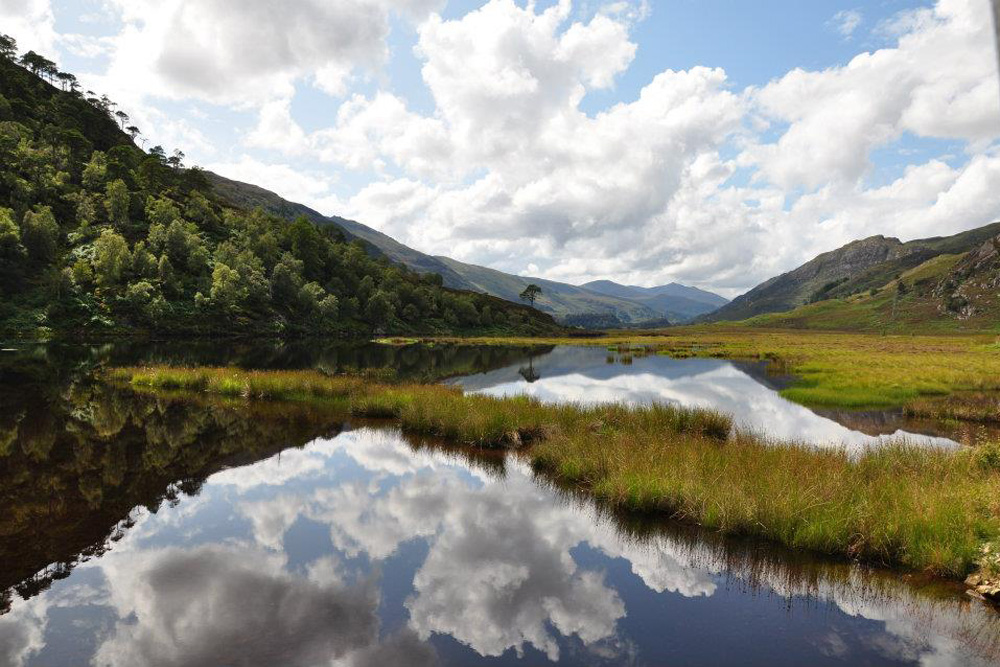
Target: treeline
[[98, 235]]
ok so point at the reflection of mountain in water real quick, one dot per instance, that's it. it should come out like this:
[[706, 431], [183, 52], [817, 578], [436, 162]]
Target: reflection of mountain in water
[[746, 390]]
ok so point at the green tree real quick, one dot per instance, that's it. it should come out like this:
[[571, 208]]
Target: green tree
[[379, 310], [286, 280], [8, 47], [227, 292], [12, 252], [40, 234], [329, 307], [117, 201], [531, 293], [95, 171], [111, 258]]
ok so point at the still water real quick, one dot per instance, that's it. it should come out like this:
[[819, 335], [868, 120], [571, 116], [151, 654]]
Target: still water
[[160, 530], [746, 390]]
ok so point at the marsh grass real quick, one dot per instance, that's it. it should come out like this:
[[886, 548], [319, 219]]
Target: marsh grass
[[897, 505], [831, 369]]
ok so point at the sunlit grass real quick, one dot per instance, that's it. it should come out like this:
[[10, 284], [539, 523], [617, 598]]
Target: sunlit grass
[[898, 505], [831, 369]]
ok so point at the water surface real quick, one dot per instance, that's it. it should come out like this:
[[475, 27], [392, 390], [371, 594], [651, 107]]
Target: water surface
[[164, 530], [743, 389]]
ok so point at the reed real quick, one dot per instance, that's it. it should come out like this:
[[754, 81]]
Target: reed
[[897, 505]]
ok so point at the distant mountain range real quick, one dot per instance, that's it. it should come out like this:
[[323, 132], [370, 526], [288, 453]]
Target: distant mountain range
[[857, 267], [947, 282], [601, 303]]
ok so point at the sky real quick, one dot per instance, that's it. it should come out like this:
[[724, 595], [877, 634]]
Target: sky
[[715, 143]]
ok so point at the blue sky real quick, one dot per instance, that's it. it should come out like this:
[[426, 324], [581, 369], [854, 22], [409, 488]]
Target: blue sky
[[711, 142]]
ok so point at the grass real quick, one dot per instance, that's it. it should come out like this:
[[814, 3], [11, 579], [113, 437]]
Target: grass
[[916, 508], [834, 369]]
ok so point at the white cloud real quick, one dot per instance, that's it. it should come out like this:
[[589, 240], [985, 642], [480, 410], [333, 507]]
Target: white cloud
[[209, 50], [846, 21], [31, 23], [693, 180]]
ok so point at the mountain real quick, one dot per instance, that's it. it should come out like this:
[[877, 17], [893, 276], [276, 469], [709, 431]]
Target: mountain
[[947, 293], [98, 236], [852, 269], [566, 302], [572, 304], [677, 302]]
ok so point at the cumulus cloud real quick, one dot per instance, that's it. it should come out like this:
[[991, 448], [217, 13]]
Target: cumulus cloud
[[212, 605], [208, 49], [693, 180], [510, 172]]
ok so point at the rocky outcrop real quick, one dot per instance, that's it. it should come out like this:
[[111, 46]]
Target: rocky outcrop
[[972, 287], [854, 268]]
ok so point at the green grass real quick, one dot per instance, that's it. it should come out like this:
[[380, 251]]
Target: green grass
[[900, 505], [832, 369]]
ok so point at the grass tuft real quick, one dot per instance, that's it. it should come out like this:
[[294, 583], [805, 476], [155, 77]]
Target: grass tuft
[[896, 505]]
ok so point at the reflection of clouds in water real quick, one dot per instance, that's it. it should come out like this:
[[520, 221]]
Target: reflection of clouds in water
[[499, 574], [22, 634], [216, 605], [723, 387]]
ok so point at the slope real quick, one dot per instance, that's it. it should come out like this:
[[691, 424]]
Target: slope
[[852, 269], [947, 293], [564, 301], [678, 302], [99, 236]]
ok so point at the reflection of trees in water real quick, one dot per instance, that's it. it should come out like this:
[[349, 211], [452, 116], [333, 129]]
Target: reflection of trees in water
[[528, 372], [73, 471], [426, 362]]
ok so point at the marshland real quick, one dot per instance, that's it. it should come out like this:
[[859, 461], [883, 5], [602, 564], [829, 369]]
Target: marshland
[[639, 481]]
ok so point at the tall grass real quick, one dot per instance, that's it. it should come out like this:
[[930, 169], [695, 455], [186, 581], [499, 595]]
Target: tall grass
[[897, 505]]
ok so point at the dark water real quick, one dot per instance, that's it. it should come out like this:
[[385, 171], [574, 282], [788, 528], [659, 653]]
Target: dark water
[[142, 530]]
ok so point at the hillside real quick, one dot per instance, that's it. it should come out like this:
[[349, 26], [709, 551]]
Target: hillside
[[677, 302], [949, 292], [854, 268], [564, 301], [98, 236], [580, 306]]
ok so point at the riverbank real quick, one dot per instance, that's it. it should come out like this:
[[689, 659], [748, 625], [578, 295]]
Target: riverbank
[[898, 506], [925, 375]]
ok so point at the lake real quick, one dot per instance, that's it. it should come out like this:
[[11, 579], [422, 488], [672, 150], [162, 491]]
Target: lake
[[167, 530]]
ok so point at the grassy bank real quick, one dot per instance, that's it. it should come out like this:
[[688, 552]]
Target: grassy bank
[[847, 370], [900, 506]]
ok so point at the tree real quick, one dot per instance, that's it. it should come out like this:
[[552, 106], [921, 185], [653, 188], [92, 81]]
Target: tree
[[39, 65], [122, 118], [133, 131], [531, 293], [12, 253], [177, 159], [67, 81], [117, 200], [111, 257], [379, 309], [286, 280], [8, 47], [329, 307], [40, 234], [95, 171]]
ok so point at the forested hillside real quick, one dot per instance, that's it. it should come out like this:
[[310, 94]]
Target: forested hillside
[[100, 236]]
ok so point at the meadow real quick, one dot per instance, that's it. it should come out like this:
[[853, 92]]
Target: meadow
[[928, 375], [900, 505]]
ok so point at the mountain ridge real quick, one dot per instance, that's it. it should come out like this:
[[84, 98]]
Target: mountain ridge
[[570, 303], [855, 267]]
